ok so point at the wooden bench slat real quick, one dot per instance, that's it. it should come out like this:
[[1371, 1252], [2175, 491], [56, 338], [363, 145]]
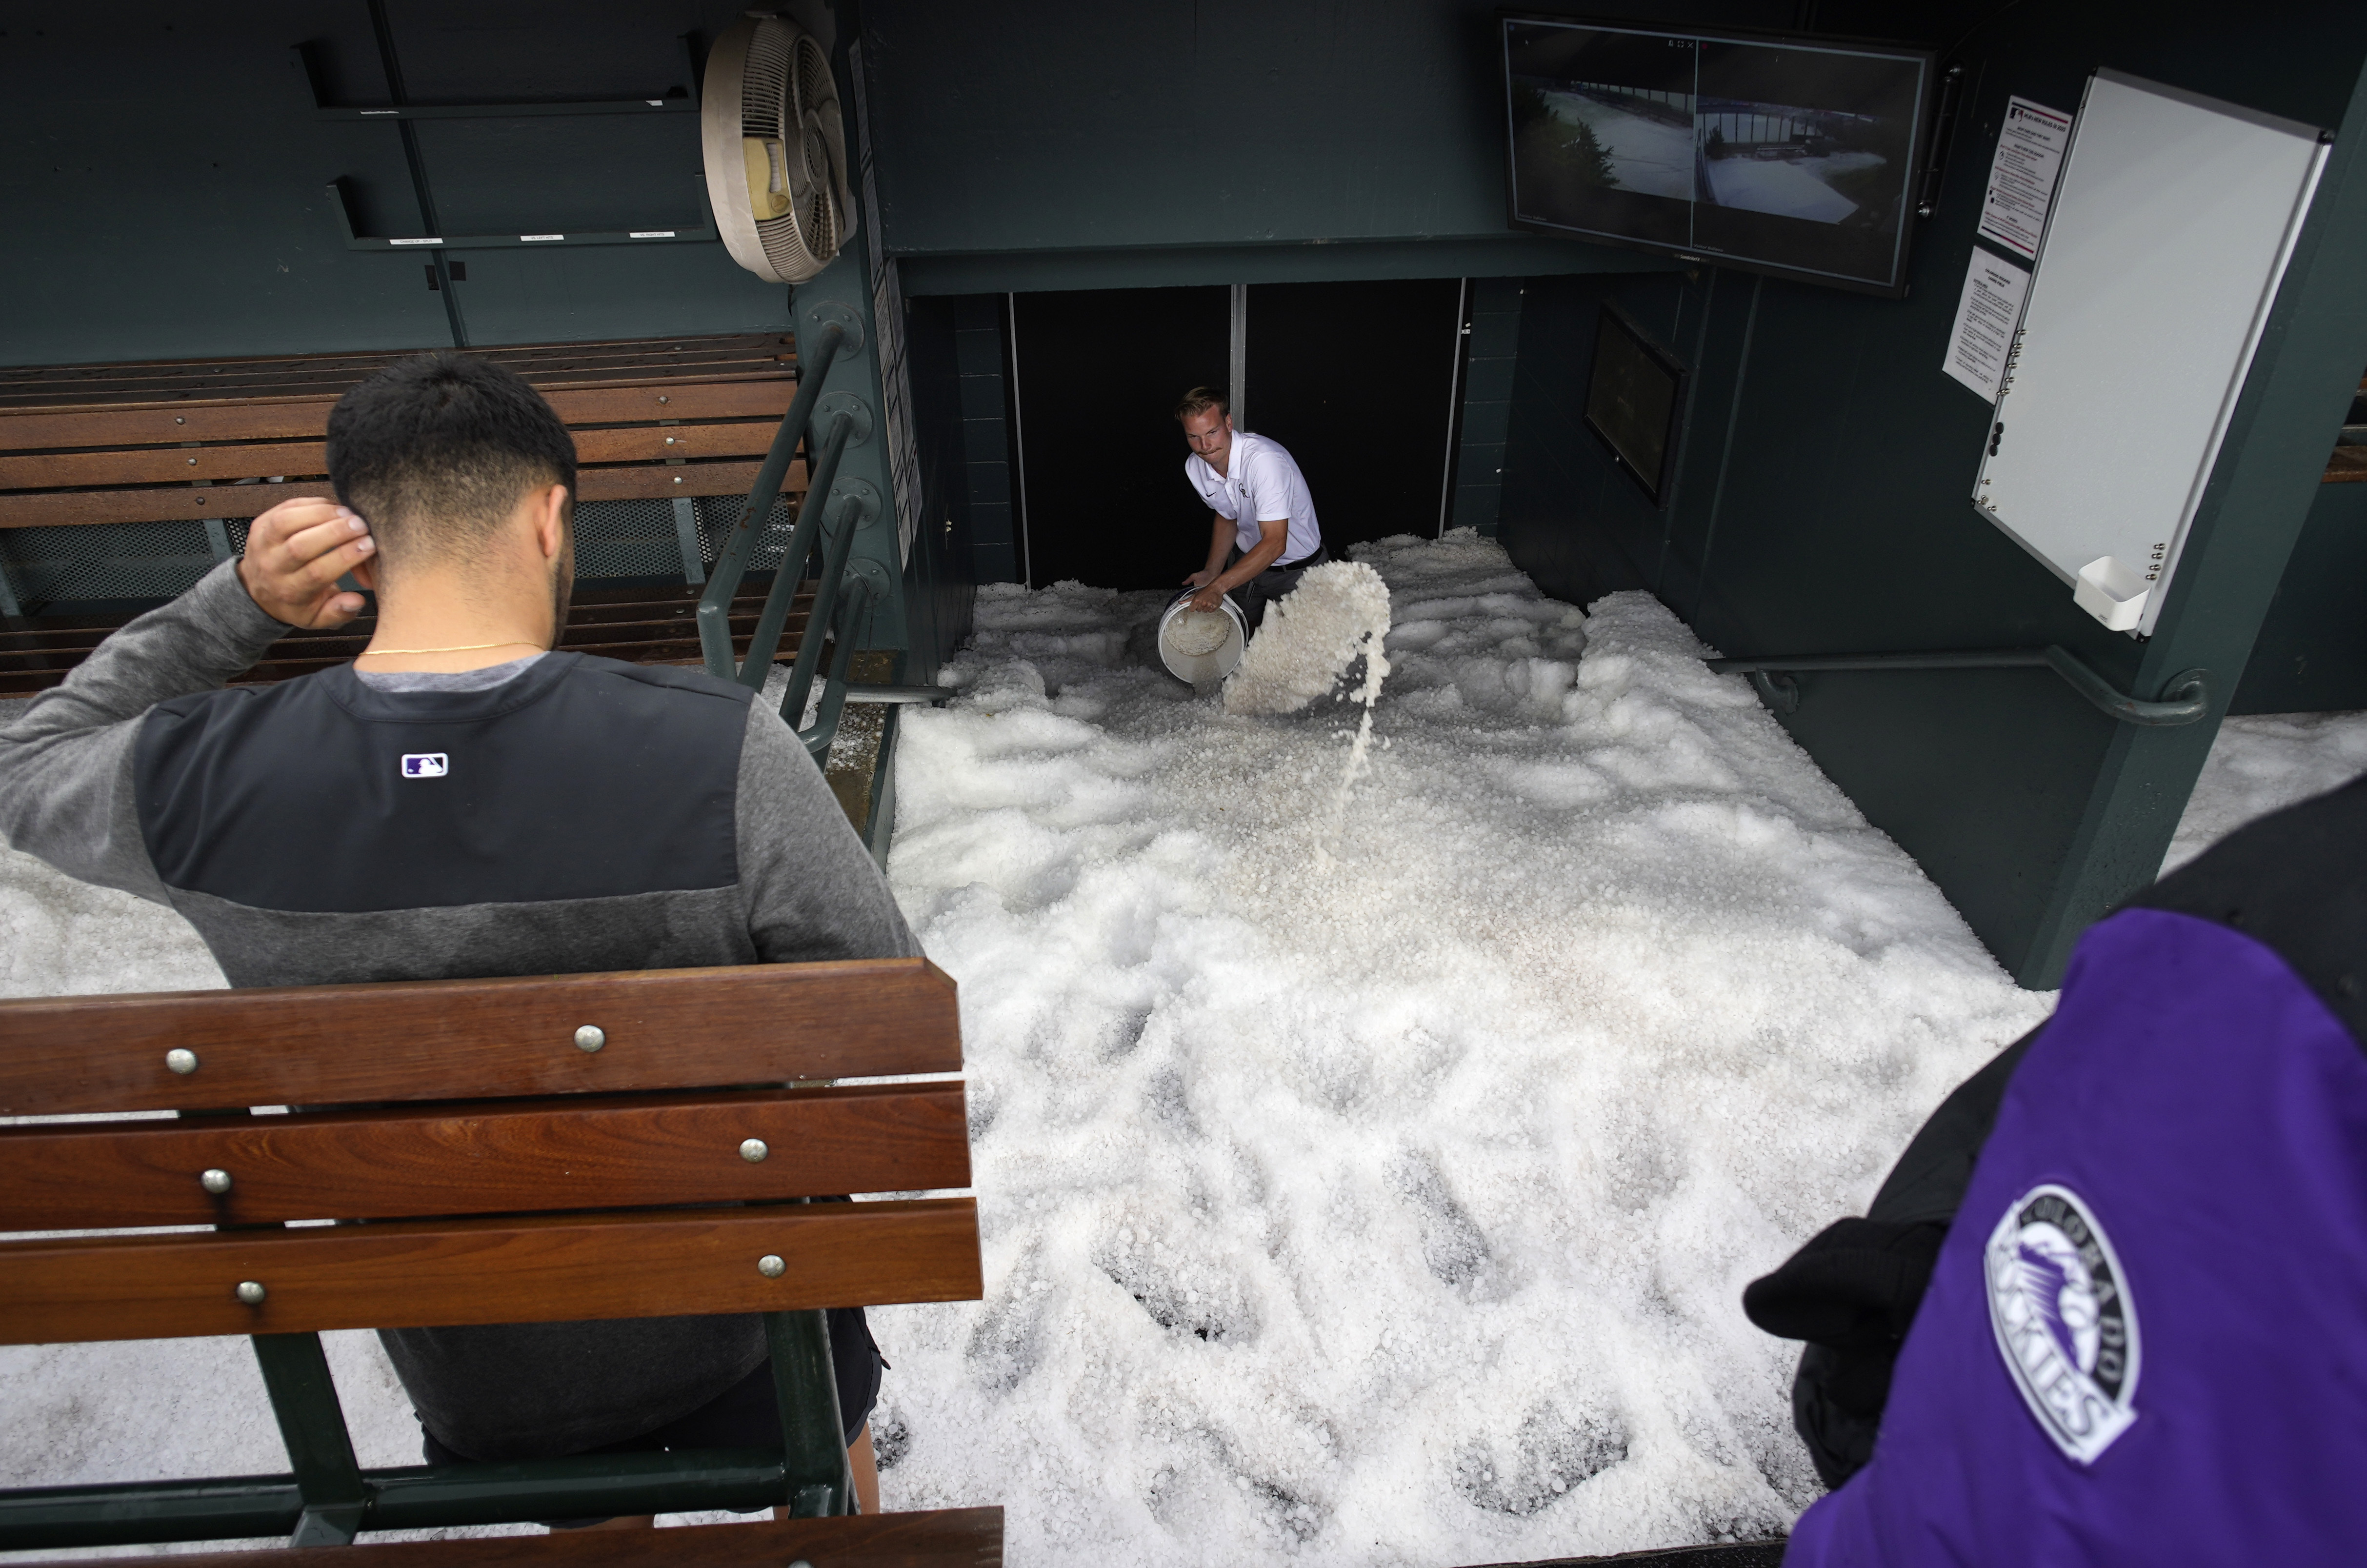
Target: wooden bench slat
[[950, 1538], [675, 640], [307, 418], [248, 379], [529, 361], [78, 508], [161, 465], [114, 469], [162, 396], [750, 344], [686, 402], [296, 419], [60, 387], [540, 1268], [648, 443], [510, 1157], [650, 480], [667, 1029]]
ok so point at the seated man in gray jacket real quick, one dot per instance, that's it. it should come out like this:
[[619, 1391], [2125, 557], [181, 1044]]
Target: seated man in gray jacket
[[460, 802]]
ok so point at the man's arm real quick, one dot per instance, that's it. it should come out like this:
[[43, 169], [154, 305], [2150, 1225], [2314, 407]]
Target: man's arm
[[1273, 537], [65, 766], [1220, 544], [813, 891], [1852, 1291]]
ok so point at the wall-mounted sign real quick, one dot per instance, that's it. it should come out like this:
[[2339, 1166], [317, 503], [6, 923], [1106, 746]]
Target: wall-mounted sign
[[1986, 317], [2021, 176]]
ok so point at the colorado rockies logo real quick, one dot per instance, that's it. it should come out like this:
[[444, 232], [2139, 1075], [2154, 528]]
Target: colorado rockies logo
[[2064, 1324]]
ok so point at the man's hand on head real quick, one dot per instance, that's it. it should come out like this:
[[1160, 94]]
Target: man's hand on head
[[296, 553]]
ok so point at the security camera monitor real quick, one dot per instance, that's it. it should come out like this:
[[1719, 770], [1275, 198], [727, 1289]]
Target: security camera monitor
[[1632, 399], [1789, 155]]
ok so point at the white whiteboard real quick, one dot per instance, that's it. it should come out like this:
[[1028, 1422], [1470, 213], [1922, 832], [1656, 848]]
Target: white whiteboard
[[2171, 228]]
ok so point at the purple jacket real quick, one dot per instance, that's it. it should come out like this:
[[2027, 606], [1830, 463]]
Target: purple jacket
[[2144, 1339]]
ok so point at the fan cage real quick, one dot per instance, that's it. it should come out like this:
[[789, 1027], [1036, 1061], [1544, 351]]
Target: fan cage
[[785, 87]]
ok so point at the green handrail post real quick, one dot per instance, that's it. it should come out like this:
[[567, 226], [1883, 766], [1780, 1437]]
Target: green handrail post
[[813, 512], [838, 543], [819, 1482], [714, 605], [854, 615]]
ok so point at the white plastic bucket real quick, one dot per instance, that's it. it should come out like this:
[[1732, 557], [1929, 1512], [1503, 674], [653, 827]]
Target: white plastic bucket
[[1200, 645]]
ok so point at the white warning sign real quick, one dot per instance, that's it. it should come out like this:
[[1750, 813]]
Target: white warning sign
[[2021, 176]]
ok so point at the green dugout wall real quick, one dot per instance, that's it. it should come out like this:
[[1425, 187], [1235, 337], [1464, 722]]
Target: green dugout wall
[[164, 172], [1821, 503]]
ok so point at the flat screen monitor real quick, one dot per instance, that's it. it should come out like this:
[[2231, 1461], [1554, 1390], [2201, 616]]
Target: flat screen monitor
[[1788, 156], [1633, 394]]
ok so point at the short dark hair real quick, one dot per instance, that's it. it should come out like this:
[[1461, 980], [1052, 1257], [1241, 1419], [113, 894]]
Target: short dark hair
[[435, 451], [1199, 400]]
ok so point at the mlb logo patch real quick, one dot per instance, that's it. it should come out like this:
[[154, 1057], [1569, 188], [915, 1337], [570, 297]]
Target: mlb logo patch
[[425, 765]]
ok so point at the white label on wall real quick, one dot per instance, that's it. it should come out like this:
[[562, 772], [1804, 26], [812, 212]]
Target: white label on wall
[[2021, 176], [1986, 317]]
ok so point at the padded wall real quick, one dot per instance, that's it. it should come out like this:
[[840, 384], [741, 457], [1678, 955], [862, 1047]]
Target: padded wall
[[165, 173], [1078, 144], [2311, 656]]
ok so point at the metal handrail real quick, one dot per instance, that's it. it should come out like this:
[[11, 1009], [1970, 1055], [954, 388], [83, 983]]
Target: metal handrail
[[838, 543], [846, 616], [2185, 697], [854, 612], [731, 565], [767, 639]]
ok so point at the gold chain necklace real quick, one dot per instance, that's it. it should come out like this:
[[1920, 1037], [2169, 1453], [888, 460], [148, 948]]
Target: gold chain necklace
[[471, 648]]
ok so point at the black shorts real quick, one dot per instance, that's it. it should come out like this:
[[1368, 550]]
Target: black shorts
[[1274, 583], [748, 1414]]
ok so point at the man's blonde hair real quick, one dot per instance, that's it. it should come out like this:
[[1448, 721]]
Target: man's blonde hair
[[1199, 400]]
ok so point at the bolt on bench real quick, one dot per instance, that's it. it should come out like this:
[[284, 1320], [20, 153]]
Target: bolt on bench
[[534, 1149]]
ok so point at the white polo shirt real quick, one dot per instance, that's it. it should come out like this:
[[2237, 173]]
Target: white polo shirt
[[1260, 485]]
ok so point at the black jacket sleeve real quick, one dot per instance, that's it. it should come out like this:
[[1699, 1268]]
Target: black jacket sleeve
[[1851, 1291]]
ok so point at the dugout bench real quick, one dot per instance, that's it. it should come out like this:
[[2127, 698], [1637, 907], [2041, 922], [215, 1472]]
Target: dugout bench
[[534, 1149], [121, 484]]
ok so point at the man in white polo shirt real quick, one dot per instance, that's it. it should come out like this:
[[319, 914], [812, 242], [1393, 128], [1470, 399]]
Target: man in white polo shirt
[[1263, 519]]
